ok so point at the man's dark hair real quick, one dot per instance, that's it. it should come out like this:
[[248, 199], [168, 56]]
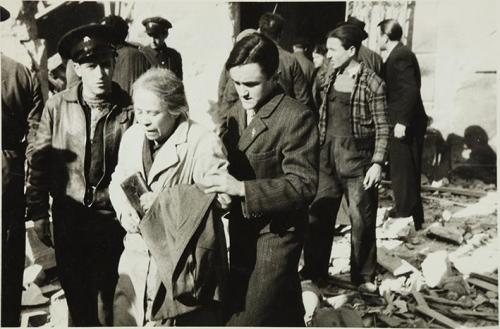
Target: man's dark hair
[[320, 48], [392, 29], [271, 25], [349, 35], [119, 25], [255, 48]]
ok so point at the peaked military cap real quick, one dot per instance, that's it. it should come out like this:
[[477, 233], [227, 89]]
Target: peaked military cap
[[155, 25], [87, 41], [4, 14]]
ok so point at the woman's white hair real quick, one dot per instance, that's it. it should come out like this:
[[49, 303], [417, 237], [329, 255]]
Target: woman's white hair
[[168, 87]]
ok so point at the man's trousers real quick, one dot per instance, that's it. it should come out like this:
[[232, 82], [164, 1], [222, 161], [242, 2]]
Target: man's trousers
[[405, 158]]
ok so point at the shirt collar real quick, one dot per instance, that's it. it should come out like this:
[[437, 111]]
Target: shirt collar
[[390, 48]]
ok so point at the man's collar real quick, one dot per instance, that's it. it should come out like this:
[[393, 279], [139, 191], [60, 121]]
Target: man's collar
[[390, 48], [352, 69]]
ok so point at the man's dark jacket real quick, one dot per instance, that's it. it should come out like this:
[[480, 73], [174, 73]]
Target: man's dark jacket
[[402, 76], [58, 161]]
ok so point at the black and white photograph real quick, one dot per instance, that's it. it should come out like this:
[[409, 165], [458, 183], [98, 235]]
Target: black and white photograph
[[249, 163]]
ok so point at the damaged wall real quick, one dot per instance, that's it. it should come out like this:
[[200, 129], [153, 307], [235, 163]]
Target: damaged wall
[[455, 42]]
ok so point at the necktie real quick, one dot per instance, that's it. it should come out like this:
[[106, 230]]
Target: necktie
[[250, 115]]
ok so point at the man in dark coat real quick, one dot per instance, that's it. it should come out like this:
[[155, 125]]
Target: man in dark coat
[[307, 66], [407, 115], [73, 157], [130, 61], [291, 77], [158, 53], [22, 105], [272, 144]]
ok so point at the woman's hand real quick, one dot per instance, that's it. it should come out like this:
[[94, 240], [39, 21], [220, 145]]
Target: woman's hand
[[147, 200], [223, 200]]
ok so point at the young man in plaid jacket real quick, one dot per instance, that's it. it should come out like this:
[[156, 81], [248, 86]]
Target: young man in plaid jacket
[[354, 134]]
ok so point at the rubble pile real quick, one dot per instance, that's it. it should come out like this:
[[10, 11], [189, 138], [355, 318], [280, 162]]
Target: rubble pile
[[445, 275]]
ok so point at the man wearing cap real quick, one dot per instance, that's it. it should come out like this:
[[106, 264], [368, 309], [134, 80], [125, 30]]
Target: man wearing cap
[[354, 135], [407, 114], [158, 53], [22, 106], [131, 62], [371, 59], [73, 157]]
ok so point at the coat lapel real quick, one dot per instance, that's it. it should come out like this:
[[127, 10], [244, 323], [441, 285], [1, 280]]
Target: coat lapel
[[167, 155], [258, 125]]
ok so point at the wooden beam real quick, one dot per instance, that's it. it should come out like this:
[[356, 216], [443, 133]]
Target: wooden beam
[[419, 298], [484, 285], [440, 200], [490, 278], [475, 313], [453, 190], [445, 301], [439, 317]]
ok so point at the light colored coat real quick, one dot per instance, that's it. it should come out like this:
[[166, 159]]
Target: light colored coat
[[190, 154]]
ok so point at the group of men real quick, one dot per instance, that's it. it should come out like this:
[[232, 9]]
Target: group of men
[[70, 146], [332, 149]]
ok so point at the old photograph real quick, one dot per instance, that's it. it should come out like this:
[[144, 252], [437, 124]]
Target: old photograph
[[249, 164]]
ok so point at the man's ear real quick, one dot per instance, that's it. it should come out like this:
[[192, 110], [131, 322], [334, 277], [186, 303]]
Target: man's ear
[[352, 50], [78, 69]]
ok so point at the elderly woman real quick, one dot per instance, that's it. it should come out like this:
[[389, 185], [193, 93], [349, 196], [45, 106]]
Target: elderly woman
[[168, 151]]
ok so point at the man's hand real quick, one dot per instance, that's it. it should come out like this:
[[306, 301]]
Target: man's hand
[[224, 200], [373, 176], [42, 230], [399, 130], [223, 183], [147, 200]]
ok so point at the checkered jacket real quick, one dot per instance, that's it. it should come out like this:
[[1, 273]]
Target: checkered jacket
[[368, 110]]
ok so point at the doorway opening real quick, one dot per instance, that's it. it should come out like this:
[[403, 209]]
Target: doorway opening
[[309, 20]]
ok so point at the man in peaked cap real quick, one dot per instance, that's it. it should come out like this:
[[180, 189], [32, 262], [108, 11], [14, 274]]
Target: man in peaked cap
[[73, 157], [365, 54], [22, 105], [157, 52]]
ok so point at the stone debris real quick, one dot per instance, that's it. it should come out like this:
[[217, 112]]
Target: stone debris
[[446, 234], [396, 228], [436, 268], [32, 296], [31, 273], [445, 275], [487, 205]]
